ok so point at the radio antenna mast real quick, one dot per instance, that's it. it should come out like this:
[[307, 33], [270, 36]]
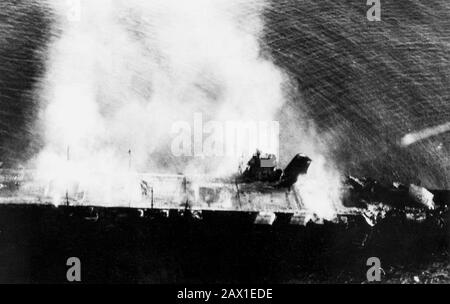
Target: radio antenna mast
[[67, 186], [129, 159]]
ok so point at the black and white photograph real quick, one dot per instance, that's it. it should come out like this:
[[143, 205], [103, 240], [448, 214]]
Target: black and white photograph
[[199, 142]]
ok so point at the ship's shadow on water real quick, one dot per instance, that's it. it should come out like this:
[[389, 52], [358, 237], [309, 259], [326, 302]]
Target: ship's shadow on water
[[121, 246]]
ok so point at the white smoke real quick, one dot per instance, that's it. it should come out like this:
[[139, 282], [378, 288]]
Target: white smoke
[[121, 73], [320, 189], [120, 76]]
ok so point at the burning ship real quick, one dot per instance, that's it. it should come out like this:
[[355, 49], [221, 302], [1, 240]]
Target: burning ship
[[260, 188], [243, 220]]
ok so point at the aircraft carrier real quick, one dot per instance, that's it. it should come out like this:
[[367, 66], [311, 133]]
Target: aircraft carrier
[[253, 226]]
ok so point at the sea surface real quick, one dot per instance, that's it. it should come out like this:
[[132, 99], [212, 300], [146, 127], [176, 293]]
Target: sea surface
[[363, 85]]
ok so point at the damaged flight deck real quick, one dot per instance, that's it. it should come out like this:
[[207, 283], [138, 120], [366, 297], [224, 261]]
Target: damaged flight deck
[[261, 189]]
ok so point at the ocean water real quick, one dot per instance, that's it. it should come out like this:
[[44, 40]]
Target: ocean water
[[364, 85], [367, 84]]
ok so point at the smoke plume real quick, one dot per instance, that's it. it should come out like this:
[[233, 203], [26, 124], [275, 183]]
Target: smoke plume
[[121, 73]]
